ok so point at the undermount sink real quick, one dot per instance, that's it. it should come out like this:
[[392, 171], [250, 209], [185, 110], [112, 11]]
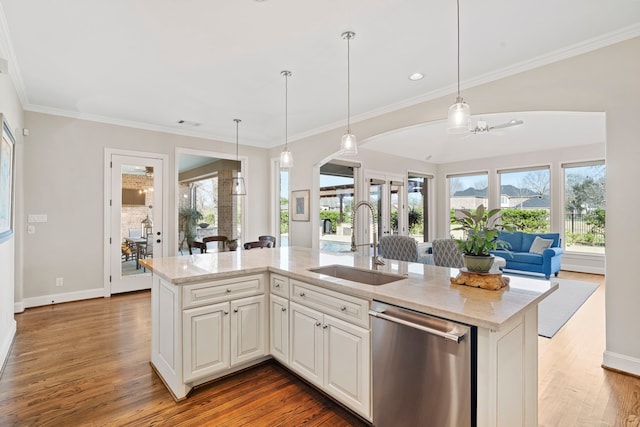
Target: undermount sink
[[368, 277]]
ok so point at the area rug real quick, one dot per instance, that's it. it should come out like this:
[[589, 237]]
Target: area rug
[[555, 310]]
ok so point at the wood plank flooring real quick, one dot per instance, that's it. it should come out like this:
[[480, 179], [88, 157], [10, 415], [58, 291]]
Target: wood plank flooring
[[87, 363]]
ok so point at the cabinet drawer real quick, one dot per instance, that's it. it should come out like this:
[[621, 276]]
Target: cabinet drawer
[[222, 290], [280, 285], [345, 307]]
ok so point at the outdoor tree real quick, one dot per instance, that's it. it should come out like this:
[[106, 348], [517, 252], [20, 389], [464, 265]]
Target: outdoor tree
[[536, 181]]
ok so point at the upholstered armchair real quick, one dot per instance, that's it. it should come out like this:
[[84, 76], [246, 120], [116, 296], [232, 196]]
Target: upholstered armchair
[[446, 253], [402, 248]]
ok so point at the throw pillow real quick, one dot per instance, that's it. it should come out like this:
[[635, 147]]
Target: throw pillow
[[539, 245]]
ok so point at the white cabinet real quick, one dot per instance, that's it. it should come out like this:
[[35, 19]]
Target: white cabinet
[[206, 339], [279, 328], [332, 354], [248, 326], [204, 330], [219, 336]]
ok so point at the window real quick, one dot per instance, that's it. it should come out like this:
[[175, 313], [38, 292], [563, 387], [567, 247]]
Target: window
[[524, 199], [417, 204], [284, 207], [337, 184], [466, 192], [584, 207]]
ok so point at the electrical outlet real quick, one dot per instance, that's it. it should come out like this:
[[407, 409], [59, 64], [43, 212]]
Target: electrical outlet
[[59, 281]]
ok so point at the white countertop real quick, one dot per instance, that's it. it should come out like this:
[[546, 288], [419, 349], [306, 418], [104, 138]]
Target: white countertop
[[426, 288]]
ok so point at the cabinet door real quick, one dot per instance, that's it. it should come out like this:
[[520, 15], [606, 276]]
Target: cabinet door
[[346, 364], [205, 340], [306, 342], [279, 328], [248, 329]]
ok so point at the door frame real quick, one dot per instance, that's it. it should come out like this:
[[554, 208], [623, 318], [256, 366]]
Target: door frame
[[108, 152], [388, 178]]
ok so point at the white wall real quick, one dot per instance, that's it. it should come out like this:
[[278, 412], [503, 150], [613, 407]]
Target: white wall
[[605, 80], [64, 174], [10, 250]]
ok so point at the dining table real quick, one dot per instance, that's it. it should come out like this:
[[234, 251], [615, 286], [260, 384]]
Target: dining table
[[138, 243]]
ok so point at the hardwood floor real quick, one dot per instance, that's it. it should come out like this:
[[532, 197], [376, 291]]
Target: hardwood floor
[[87, 363]]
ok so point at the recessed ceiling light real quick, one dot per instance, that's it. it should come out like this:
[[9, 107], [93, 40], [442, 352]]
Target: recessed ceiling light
[[416, 76]]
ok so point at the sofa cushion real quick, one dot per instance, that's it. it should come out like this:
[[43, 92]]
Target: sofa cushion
[[528, 238], [525, 257], [539, 245], [514, 240]]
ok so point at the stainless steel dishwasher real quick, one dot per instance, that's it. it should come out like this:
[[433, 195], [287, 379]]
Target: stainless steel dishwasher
[[424, 369]]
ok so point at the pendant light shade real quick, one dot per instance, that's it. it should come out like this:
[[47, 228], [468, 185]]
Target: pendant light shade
[[459, 118], [349, 145], [237, 182], [286, 158]]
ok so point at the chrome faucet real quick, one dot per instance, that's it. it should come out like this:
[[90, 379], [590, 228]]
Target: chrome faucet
[[375, 260]]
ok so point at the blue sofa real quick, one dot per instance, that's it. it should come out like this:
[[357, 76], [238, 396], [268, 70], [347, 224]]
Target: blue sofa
[[519, 258]]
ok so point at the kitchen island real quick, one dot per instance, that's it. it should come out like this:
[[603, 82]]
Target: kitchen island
[[214, 314]]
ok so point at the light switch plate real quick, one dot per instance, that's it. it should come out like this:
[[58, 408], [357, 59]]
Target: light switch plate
[[37, 218]]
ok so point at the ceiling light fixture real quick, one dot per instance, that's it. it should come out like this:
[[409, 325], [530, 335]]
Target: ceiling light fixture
[[349, 144], [286, 158], [459, 113], [416, 76], [237, 182]]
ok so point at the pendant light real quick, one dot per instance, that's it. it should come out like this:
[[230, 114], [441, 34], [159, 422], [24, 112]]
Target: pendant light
[[237, 182], [286, 158], [459, 120], [349, 144]]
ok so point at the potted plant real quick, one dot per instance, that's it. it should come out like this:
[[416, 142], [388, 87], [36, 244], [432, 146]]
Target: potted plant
[[232, 244], [480, 237], [188, 218]]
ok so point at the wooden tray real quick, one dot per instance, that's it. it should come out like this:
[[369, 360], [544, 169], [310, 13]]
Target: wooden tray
[[490, 281]]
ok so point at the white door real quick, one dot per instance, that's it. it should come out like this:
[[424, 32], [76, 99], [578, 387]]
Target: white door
[[206, 340], [135, 210], [386, 194]]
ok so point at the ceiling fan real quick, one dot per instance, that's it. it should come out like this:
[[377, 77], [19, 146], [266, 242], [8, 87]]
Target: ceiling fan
[[483, 127]]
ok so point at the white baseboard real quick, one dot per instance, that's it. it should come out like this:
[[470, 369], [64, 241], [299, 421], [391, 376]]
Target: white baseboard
[[5, 348], [583, 268], [64, 297], [620, 362], [18, 307]]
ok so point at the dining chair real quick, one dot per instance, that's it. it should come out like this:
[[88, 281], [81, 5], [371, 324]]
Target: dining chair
[[446, 253], [209, 239], [271, 239], [258, 244]]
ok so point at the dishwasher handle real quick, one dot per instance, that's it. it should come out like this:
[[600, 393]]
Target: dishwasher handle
[[453, 336]]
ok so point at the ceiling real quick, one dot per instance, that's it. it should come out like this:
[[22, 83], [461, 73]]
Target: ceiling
[[151, 63]]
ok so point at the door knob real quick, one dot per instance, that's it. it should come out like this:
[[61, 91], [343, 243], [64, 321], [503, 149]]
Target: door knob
[[158, 241], [158, 233]]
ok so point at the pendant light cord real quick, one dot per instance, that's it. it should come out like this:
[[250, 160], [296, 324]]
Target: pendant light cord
[[237, 123], [349, 82], [286, 109], [458, 15]]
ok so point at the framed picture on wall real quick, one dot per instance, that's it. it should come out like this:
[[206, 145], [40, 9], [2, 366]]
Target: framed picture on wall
[[6, 182], [300, 205]]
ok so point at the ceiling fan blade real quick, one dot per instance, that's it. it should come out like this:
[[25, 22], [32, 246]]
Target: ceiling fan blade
[[508, 124]]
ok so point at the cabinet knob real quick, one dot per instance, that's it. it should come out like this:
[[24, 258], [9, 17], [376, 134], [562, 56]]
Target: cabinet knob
[[235, 310], [277, 285], [301, 294], [318, 323], [283, 309], [225, 312], [325, 326], [228, 291], [343, 308]]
